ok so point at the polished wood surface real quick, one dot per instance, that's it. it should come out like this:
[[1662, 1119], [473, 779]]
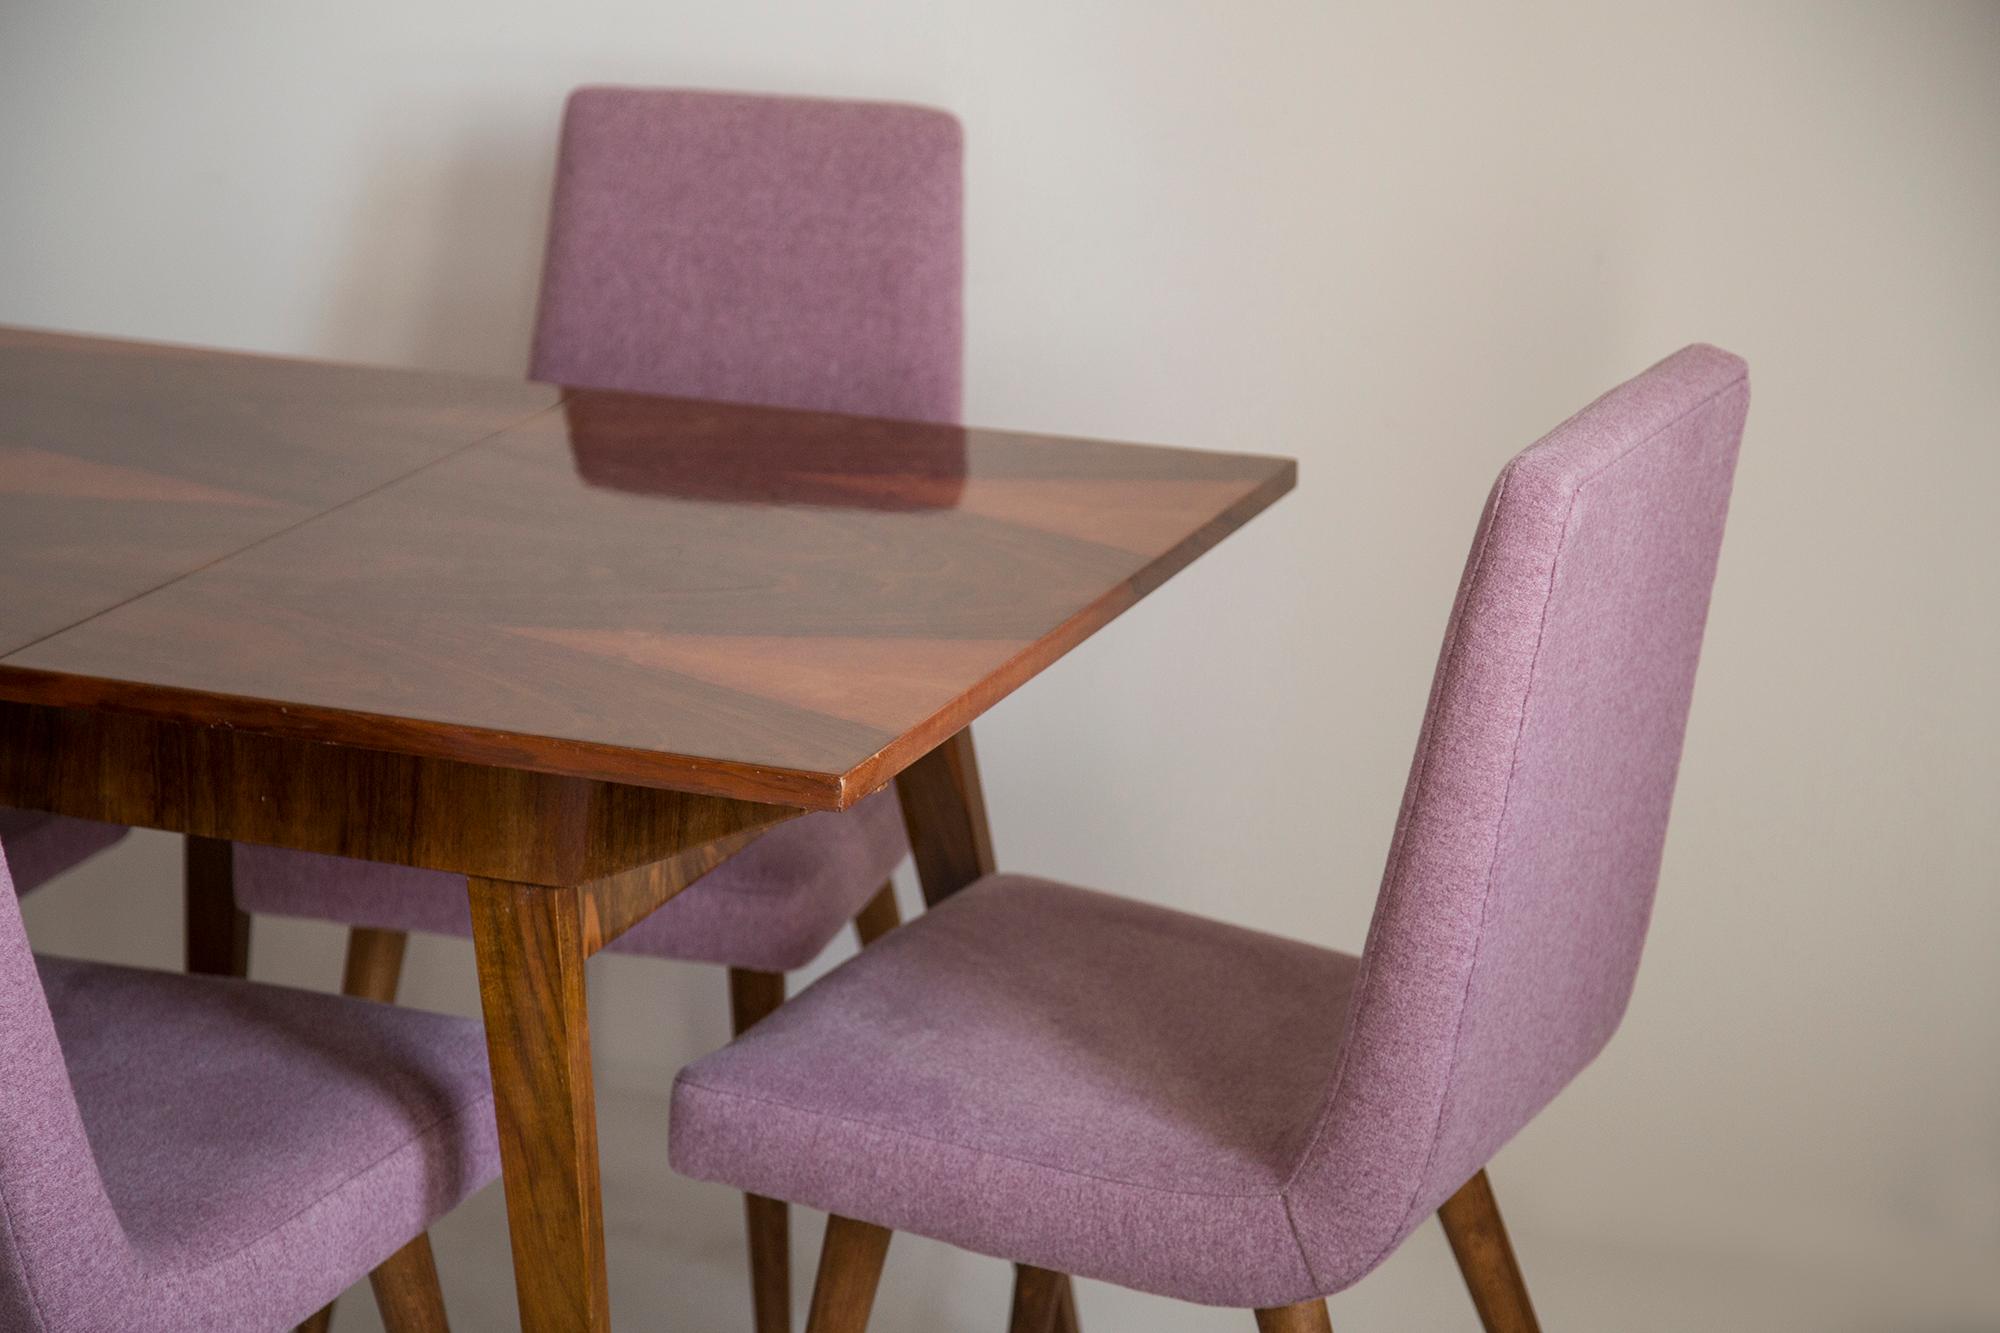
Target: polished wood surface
[[529, 944], [586, 592], [1479, 1241], [1305, 1317], [850, 1268], [578, 647], [944, 809], [124, 466], [217, 782]]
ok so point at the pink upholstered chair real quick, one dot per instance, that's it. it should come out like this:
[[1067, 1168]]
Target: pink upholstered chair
[[43, 846], [199, 1153], [781, 251], [1096, 1086]]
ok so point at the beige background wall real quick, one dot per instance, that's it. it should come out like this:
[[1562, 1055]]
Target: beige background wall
[[1396, 242]]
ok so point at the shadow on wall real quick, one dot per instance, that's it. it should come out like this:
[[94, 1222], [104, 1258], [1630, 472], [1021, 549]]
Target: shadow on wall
[[444, 250]]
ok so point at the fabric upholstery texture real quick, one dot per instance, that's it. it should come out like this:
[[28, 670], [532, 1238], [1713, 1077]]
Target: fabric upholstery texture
[[1169, 1103], [787, 251], [771, 907], [199, 1153], [791, 252], [40, 847]]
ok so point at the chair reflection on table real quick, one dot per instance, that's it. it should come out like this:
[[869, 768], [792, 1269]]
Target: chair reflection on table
[[694, 450]]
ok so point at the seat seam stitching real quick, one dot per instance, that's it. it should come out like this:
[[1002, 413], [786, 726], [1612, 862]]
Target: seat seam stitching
[[877, 1125]]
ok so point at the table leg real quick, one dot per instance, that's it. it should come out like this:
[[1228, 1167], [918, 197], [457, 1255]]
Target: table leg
[[218, 935], [944, 812], [530, 950]]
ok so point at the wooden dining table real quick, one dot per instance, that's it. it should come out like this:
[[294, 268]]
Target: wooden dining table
[[578, 646]]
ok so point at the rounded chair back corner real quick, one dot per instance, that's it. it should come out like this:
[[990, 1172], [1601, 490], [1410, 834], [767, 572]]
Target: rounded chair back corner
[[63, 1253], [783, 251], [1521, 876]]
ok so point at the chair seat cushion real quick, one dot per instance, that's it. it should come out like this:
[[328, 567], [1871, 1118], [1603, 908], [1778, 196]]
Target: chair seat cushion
[[1048, 1075], [40, 847], [244, 1131], [772, 907]]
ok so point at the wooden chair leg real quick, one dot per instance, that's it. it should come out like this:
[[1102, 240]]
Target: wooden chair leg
[[319, 1323], [769, 1224], [1038, 1299], [407, 1291], [753, 995], [850, 1267], [218, 936], [1479, 1239], [1305, 1317], [878, 916], [374, 964], [1066, 1319]]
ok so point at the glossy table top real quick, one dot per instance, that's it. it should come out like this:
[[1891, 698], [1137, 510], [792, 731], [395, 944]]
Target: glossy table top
[[782, 606]]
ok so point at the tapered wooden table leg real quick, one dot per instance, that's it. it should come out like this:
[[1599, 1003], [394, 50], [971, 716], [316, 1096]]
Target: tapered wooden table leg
[[944, 812], [530, 950]]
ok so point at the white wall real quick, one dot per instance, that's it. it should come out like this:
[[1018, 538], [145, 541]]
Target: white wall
[[1396, 242]]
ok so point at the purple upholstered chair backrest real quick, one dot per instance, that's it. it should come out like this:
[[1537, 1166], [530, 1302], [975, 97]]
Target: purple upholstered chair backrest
[[62, 1250], [1521, 876], [789, 252]]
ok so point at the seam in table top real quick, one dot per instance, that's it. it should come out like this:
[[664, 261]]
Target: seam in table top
[[316, 515]]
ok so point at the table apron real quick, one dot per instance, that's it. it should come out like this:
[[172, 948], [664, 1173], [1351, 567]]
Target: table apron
[[642, 843]]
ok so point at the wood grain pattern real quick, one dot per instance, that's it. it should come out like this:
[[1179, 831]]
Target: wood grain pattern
[[1305, 1317], [614, 904], [219, 783], [1479, 1241], [126, 465], [944, 811], [529, 943], [218, 934], [850, 1268], [577, 656], [407, 1292], [779, 606]]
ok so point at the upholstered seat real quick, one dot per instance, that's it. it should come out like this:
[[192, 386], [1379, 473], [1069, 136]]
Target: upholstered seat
[[40, 847], [198, 1153], [1057, 1076], [233, 1120], [772, 906], [1089, 1086]]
